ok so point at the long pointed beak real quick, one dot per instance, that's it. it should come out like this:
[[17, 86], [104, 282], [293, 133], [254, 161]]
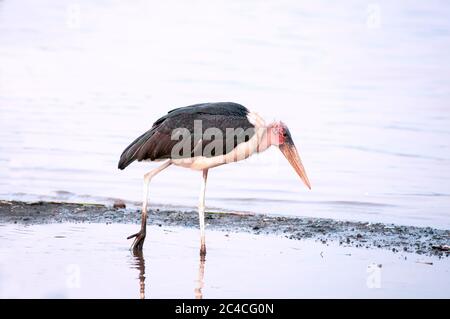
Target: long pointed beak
[[290, 152]]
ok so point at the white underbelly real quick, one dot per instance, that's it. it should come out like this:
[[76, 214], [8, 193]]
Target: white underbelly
[[239, 153], [199, 162]]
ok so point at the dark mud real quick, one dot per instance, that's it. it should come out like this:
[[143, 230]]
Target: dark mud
[[420, 240]]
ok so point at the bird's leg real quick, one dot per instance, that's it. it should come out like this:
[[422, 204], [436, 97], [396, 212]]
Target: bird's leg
[[201, 213], [140, 236]]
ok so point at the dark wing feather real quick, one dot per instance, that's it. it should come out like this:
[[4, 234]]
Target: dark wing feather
[[217, 108], [157, 143], [130, 154]]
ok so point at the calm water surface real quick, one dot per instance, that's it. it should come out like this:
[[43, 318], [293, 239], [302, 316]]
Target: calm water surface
[[93, 261], [365, 90]]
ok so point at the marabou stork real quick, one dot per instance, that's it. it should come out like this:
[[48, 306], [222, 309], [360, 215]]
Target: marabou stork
[[204, 136]]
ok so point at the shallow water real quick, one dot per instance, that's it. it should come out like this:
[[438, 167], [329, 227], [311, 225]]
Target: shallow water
[[364, 89], [93, 261]]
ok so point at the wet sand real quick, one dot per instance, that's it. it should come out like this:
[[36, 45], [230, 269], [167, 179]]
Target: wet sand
[[419, 240], [61, 250]]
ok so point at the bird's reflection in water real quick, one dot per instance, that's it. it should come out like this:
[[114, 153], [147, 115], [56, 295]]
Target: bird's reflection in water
[[201, 274], [139, 263]]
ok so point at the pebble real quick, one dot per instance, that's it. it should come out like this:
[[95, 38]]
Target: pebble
[[119, 204]]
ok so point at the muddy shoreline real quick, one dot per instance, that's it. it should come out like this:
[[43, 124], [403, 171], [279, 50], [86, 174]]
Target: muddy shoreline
[[419, 240]]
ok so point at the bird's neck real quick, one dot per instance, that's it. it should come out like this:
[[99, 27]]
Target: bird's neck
[[267, 138]]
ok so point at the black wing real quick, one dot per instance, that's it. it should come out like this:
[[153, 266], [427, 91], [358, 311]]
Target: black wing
[[157, 143]]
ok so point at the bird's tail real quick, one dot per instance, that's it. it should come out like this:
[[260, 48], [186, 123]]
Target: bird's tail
[[130, 154]]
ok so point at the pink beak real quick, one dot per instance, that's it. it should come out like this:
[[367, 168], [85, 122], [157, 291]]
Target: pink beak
[[290, 152]]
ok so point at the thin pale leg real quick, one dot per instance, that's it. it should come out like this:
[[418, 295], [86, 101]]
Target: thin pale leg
[[140, 236], [201, 213]]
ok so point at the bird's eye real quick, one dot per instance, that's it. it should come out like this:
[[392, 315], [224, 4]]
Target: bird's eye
[[284, 134]]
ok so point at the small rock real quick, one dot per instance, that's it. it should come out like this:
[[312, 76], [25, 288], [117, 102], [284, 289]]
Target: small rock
[[119, 204], [442, 247]]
